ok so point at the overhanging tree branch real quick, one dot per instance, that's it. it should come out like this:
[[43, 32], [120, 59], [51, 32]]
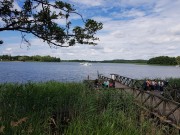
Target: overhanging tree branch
[[41, 23]]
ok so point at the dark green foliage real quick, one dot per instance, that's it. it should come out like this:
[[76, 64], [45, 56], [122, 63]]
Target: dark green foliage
[[35, 105], [5, 57], [172, 91], [162, 60], [1, 42], [38, 17], [125, 61], [30, 58], [174, 82], [178, 60]]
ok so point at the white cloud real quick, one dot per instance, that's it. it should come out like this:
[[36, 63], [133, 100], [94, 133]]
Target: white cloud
[[108, 50], [129, 3], [143, 37], [172, 48], [102, 19], [89, 2], [8, 49], [134, 13]]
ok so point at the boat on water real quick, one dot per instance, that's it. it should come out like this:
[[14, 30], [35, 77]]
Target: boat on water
[[86, 64], [177, 65]]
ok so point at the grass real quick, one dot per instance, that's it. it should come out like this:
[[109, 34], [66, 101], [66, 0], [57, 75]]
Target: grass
[[70, 109], [174, 82]]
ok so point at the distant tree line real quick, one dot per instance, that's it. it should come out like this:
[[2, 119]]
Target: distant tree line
[[178, 60], [161, 60], [164, 60], [124, 61], [76, 61], [30, 58], [109, 61]]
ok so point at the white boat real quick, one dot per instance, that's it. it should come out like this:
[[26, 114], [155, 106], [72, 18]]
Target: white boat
[[177, 65], [86, 64]]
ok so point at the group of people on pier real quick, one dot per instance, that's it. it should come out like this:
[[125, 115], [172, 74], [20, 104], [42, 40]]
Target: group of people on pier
[[150, 85], [105, 84]]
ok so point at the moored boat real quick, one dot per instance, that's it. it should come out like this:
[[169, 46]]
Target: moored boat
[[86, 64]]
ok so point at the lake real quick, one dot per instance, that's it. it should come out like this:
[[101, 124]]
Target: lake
[[74, 72]]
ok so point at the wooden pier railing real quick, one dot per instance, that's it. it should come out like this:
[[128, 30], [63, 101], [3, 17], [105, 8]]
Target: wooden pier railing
[[166, 110]]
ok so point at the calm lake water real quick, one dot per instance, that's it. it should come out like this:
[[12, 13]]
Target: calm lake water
[[74, 72]]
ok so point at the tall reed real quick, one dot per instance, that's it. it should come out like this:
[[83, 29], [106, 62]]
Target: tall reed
[[72, 109]]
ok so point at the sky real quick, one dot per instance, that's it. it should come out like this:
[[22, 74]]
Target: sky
[[132, 29]]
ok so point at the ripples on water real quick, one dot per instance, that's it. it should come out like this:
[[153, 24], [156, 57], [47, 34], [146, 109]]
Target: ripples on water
[[74, 72]]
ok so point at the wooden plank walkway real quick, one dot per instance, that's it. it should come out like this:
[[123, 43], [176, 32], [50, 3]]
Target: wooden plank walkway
[[119, 85]]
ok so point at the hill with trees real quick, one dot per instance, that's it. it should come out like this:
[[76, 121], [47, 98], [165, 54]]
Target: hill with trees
[[163, 60]]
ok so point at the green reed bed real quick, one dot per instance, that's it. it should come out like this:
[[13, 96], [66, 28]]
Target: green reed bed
[[71, 109], [174, 82]]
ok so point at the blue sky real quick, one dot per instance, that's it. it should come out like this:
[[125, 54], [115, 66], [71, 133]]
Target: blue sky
[[133, 29]]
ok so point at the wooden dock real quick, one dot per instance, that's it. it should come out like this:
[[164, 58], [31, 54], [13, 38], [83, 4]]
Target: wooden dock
[[167, 111], [120, 86]]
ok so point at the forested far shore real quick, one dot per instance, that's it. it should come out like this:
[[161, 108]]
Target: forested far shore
[[160, 60], [109, 61], [164, 60], [37, 58]]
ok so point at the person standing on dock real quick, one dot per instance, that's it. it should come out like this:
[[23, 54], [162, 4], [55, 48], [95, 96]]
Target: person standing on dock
[[162, 87], [106, 84]]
